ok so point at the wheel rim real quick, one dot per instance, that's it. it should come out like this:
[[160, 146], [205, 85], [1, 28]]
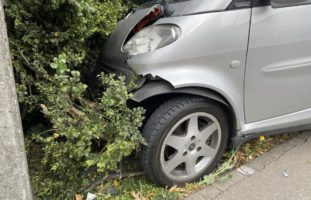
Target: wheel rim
[[190, 146]]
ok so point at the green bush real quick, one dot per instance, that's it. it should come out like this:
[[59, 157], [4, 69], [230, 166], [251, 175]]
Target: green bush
[[42, 30], [55, 44]]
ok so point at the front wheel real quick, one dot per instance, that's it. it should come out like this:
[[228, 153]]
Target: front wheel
[[186, 137]]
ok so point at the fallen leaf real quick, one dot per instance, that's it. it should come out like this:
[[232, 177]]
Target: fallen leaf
[[262, 138], [151, 195], [138, 196], [173, 189], [116, 183], [79, 197], [135, 196]]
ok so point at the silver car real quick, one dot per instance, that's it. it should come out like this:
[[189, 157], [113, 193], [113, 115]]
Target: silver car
[[213, 74]]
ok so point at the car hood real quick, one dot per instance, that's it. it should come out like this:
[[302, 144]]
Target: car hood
[[189, 7], [113, 58]]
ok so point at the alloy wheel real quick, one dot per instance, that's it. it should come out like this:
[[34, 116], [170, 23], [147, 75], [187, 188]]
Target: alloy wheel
[[190, 146]]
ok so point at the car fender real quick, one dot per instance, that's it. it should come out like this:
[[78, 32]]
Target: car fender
[[161, 87]]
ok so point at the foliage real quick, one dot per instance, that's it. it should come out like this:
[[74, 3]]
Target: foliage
[[55, 45], [226, 166], [145, 189], [41, 31], [137, 189], [254, 148], [87, 139]]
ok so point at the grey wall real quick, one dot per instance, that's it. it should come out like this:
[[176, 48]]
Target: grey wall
[[14, 177]]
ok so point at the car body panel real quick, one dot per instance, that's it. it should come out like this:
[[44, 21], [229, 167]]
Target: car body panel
[[202, 58], [278, 75], [297, 119], [115, 59], [257, 59]]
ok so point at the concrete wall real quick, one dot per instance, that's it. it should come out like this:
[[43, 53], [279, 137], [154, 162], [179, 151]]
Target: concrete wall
[[14, 177]]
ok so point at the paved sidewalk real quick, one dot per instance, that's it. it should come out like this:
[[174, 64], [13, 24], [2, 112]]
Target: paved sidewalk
[[284, 173]]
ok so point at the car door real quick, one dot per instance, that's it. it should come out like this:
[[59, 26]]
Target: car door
[[278, 73]]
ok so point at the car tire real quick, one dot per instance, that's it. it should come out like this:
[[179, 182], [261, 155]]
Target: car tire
[[186, 138]]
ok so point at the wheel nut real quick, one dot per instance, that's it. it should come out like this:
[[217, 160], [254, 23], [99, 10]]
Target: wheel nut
[[193, 137], [199, 149], [191, 147], [185, 153]]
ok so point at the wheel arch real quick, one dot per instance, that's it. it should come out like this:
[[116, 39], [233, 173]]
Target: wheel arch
[[159, 91]]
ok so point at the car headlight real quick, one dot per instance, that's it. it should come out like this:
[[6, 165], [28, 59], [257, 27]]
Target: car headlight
[[151, 38]]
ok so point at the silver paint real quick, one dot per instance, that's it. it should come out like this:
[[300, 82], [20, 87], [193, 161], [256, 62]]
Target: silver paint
[[268, 90], [203, 55], [192, 147], [278, 75]]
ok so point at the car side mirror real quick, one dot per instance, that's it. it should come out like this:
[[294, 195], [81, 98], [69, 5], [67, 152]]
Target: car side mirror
[[288, 3]]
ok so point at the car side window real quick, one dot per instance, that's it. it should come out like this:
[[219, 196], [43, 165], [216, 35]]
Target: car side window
[[258, 3], [239, 4], [288, 3]]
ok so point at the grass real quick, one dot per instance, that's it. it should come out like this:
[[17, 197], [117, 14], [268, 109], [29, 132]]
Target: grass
[[140, 188]]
